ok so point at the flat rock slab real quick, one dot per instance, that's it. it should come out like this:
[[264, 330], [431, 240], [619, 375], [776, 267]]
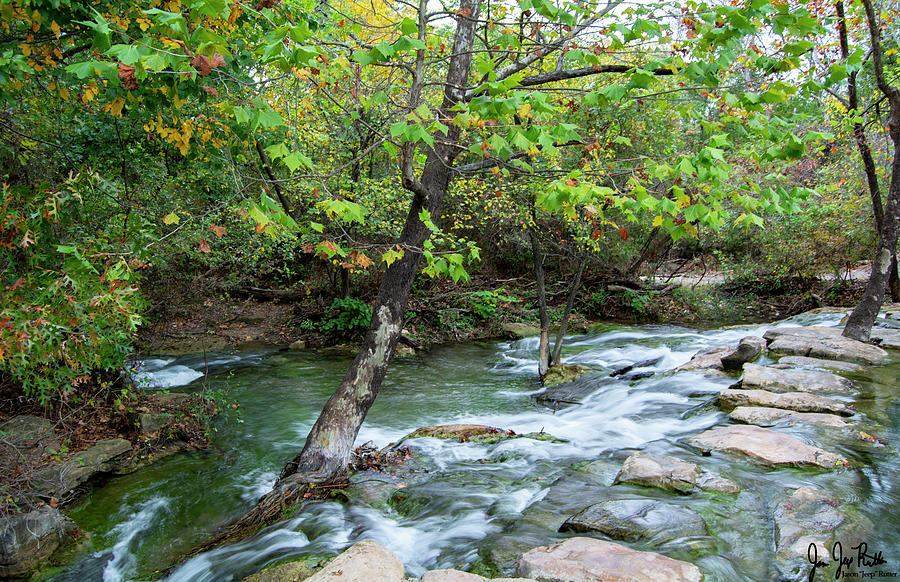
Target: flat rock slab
[[590, 560], [458, 576], [671, 474], [775, 380], [886, 337], [637, 519], [104, 457], [797, 401], [364, 561], [811, 516], [823, 342], [766, 447], [820, 364], [763, 416], [707, 360]]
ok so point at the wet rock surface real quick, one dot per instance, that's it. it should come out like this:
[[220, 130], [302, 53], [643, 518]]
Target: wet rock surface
[[570, 392], [364, 561], [708, 360], [589, 560], [766, 447], [637, 519], [106, 456], [797, 401], [459, 576], [671, 474], [460, 432], [820, 364], [775, 380], [762, 416], [825, 343], [563, 373]]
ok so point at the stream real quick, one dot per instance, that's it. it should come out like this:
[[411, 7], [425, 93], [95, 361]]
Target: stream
[[477, 500]]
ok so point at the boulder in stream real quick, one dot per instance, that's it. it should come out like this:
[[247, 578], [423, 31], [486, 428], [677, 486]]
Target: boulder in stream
[[823, 342], [748, 350], [364, 561], [671, 474], [764, 416], [106, 456], [811, 516], [28, 539], [708, 360], [638, 519], [798, 401], [774, 380], [766, 447], [582, 559]]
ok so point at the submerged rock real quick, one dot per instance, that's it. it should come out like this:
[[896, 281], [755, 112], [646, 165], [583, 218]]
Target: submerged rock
[[27, 540], [707, 360], [589, 560], [636, 366], [820, 364], [458, 576], [823, 342], [766, 447], [637, 519], [811, 516], [798, 401], [748, 350], [774, 380], [570, 392], [364, 561], [763, 416], [671, 474], [563, 373]]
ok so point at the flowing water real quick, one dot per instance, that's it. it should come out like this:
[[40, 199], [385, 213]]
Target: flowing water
[[477, 500]]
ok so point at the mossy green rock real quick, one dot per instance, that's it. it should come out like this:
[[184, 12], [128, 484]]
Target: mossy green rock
[[294, 571]]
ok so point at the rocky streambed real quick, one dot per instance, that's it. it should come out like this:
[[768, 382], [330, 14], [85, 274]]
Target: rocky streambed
[[679, 455]]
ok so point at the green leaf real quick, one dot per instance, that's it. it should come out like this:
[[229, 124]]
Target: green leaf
[[409, 27], [362, 57]]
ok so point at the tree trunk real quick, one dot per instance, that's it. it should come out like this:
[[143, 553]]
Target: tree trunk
[[865, 152], [541, 291], [570, 302], [326, 454], [285, 205], [859, 325]]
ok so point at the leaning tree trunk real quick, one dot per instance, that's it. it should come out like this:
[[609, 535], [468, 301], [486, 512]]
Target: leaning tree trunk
[[865, 151], [326, 454], [570, 302], [859, 325], [541, 291]]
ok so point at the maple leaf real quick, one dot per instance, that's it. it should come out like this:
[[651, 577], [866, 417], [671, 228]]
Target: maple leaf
[[219, 230], [203, 247], [623, 233], [126, 75], [210, 90], [216, 61]]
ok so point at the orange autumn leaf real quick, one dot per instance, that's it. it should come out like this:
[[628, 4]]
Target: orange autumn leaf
[[203, 247], [219, 230], [623, 233]]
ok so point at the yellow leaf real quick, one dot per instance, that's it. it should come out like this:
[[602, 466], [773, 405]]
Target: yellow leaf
[[171, 218], [525, 111], [116, 106], [64, 93], [55, 28], [26, 49], [657, 221], [178, 101]]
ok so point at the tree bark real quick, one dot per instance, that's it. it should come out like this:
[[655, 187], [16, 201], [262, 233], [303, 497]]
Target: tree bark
[[285, 205], [570, 302], [859, 325], [541, 291]]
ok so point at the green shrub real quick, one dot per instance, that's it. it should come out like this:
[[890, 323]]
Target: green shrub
[[345, 316], [484, 303]]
